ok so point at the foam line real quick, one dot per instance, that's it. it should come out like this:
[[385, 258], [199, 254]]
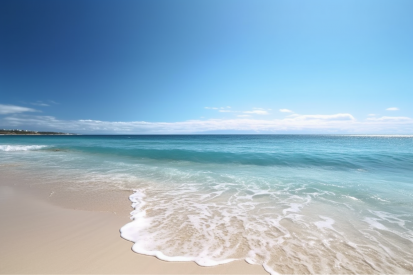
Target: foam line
[[12, 148]]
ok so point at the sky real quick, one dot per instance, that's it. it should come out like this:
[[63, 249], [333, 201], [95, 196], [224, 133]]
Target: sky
[[213, 66]]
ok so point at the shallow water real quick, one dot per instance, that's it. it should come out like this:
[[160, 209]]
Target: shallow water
[[292, 203]]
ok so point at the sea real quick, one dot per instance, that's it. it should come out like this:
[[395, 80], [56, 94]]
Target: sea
[[307, 204]]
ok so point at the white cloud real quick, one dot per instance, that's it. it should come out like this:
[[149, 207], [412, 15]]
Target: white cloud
[[257, 112], [325, 117], [40, 103], [220, 108], [243, 115], [13, 109], [392, 109], [390, 118], [371, 114], [285, 111], [293, 115], [336, 123], [227, 109]]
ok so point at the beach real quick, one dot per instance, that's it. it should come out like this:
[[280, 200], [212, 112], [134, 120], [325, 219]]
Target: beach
[[38, 236], [236, 204], [206, 137]]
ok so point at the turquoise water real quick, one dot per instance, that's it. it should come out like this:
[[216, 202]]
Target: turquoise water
[[292, 203]]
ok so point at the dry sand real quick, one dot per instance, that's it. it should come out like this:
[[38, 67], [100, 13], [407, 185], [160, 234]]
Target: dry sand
[[38, 236]]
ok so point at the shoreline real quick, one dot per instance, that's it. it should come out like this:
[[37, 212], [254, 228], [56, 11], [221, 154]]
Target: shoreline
[[311, 205], [39, 235]]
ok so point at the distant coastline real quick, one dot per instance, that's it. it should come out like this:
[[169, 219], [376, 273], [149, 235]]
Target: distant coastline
[[28, 132]]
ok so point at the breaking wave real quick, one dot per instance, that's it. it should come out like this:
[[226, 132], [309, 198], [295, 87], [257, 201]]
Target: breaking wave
[[12, 148]]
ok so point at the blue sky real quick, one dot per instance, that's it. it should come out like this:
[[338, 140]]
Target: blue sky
[[207, 66]]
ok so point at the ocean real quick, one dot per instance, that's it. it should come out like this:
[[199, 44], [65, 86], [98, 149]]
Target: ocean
[[291, 203]]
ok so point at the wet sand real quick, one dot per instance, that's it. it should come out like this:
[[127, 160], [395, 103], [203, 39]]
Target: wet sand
[[39, 236]]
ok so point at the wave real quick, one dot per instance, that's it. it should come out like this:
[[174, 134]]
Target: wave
[[13, 148], [287, 158], [286, 234]]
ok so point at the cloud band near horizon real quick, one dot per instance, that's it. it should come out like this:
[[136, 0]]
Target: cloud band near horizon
[[321, 124]]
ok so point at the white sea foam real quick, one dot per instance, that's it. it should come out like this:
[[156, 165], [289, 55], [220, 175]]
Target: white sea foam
[[350, 197], [12, 148], [284, 234], [137, 231]]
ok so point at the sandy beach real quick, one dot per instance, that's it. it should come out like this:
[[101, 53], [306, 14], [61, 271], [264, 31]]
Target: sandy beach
[[38, 236], [64, 201]]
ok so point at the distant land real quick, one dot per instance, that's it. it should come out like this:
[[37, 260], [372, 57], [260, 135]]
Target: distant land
[[28, 132]]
